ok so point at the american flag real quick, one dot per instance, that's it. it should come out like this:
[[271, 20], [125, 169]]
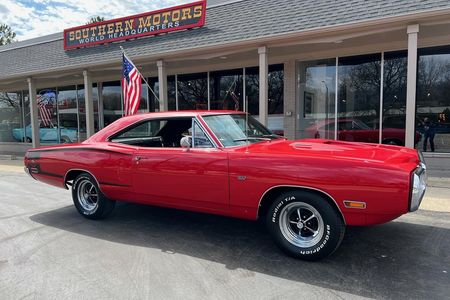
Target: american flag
[[44, 111], [131, 87]]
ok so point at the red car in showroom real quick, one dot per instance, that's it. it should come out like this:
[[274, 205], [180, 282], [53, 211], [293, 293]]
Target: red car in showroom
[[227, 163], [355, 130]]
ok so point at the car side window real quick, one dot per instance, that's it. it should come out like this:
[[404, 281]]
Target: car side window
[[200, 138], [162, 133], [146, 129], [144, 134]]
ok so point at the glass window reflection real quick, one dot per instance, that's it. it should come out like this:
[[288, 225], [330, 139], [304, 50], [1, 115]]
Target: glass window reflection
[[112, 102], [317, 99], [433, 99], [394, 98], [226, 90], [359, 98], [192, 91], [11, 124], [67, 114]]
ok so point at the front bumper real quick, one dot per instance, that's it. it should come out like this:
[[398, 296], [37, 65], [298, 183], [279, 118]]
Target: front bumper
[[418, 186]]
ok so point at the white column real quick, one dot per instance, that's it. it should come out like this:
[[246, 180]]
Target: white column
[[290, 99], [263, 85], [101, 115], [89, 104], [412, 31], [33, 113], [162, 81]]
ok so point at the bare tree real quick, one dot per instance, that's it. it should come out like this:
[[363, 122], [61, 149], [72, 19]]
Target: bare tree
[[95, 19]]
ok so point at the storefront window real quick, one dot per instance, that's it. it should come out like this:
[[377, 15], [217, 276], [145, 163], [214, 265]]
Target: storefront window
[[275, 97], [11, 124], [82, 110], [276, 89], [67, 114], [226, 90], [317, 94], [171, 93], [192, 91], [112, 102], [252, 90], [48, 116], [394, 98], [26, 117], [153, 95], [433, 99], [359, 98], [143, 105]]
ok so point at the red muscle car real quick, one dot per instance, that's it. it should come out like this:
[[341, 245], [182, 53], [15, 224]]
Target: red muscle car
[[226, 163]]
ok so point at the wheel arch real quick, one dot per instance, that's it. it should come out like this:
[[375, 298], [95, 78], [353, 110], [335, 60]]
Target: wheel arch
[[73, 173], [270, 194]]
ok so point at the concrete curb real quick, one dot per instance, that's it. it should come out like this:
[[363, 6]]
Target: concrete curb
[[10, 157]]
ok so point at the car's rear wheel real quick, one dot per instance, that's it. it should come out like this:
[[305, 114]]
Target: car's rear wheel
[[89, 200], [305, 225]]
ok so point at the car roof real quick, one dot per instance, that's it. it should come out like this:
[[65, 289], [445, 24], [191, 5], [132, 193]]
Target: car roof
[[183, 113], [126, 121]]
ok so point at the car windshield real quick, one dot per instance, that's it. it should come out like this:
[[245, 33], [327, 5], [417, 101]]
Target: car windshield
[[238, 129]]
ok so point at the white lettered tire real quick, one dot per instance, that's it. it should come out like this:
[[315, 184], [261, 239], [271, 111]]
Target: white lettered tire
[[305, 225], [89, 200]]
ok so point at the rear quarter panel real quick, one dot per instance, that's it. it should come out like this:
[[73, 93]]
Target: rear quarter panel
[[109, 164]]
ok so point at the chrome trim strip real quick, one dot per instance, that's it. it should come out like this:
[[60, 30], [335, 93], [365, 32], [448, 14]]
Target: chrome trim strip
[[303, 187], [196, 120]]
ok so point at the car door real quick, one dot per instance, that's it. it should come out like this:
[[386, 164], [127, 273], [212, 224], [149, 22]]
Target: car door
[[195, 177]]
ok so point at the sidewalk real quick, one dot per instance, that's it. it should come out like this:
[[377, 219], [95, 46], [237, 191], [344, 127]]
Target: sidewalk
[[8, 165]]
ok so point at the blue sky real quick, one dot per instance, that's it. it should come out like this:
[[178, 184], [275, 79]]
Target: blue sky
[[34, 18]]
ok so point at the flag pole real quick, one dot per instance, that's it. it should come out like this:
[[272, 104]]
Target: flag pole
[[143, 78]]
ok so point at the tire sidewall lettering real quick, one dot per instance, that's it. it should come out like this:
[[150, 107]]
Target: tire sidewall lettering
[[280, 205], [324, 241]]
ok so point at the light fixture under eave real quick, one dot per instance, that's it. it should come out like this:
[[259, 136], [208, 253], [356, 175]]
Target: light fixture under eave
[[338, 42], [223, 57]]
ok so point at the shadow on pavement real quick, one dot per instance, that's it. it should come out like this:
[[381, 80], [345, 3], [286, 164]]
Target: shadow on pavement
[[395, 260]]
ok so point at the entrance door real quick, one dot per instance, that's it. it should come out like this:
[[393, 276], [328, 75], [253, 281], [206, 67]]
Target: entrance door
[[317, 93]]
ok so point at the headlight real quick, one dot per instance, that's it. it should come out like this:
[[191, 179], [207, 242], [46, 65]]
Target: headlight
[[418, 186]]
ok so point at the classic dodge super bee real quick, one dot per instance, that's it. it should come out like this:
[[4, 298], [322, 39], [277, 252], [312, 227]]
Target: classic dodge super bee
[[227, 163]]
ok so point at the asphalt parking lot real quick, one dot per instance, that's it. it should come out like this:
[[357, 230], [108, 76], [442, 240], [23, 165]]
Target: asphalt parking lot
[[48, 251]]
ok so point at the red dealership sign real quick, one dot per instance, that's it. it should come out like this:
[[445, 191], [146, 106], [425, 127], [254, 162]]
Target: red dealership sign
[[151, 23]]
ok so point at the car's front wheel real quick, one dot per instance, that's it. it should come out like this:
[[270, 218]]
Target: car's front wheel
[[89, 200], [304, 225]]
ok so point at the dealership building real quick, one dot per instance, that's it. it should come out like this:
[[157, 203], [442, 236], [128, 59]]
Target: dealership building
[[367, 71]]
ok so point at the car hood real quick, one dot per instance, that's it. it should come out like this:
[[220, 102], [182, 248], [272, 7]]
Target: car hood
[[375, 153]]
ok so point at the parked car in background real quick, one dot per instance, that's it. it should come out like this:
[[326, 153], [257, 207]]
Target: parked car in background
[[355, 130], [307, 191], [47, 135]]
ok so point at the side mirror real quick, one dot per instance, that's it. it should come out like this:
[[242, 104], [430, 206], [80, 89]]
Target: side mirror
[[186, 142]]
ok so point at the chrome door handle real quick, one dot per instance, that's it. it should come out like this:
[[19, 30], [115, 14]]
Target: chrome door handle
[[137, 158]]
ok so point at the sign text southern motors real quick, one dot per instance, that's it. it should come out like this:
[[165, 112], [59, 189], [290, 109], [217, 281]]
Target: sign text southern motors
[[151, 23]]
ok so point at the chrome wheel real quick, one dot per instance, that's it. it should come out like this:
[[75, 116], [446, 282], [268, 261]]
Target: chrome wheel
[[87, 196], [301, 224]]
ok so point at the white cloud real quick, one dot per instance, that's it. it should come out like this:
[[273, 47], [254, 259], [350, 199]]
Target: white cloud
[[34, 18]]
